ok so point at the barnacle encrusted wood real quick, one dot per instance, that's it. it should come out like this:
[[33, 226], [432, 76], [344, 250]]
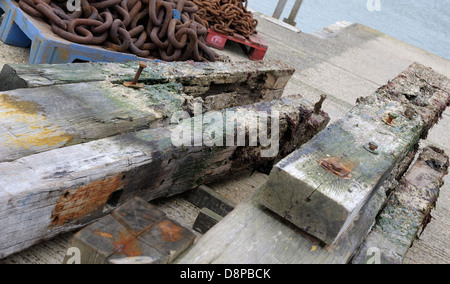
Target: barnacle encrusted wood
[[322, 187]]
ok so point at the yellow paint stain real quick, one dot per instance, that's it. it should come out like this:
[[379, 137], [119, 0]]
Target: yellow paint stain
[[36, 131], [314, 248]]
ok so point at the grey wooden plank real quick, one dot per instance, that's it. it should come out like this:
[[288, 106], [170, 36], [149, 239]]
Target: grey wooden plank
[[237, 83], [46, 118], [252, 234], [206, 219]]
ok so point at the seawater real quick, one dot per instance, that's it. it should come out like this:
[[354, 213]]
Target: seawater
[[422, 23]]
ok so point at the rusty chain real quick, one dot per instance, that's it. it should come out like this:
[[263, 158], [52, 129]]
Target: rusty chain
[[227, 16], [167, 29]]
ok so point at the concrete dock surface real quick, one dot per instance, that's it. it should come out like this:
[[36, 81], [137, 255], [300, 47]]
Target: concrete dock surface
[[345, 62]]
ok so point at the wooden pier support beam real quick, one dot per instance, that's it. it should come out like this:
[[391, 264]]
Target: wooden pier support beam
[[279, 9]]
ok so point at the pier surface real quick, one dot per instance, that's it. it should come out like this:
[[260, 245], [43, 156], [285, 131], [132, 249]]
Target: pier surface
[[345, 63]]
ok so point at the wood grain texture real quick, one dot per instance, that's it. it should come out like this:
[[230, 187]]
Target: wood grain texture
[[322, 187], [252, 234], [52, 117], [64, 189], [219, 84], [206, 219]]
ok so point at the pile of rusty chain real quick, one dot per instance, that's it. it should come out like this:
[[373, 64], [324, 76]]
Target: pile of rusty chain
[[227, 16], [170, 30]]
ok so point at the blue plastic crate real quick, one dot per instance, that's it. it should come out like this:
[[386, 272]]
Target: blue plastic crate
[[20, 29]]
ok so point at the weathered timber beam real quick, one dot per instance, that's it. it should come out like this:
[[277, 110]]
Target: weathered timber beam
[[251, 234], [407, 211], [322, 187], [79, 103], [223, 84], [136, 232], [57, 191], [46, 118]]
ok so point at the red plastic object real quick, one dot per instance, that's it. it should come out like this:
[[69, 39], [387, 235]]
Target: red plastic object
[[256, 46]]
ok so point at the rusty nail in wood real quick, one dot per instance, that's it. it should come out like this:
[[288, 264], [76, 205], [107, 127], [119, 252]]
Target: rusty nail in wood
[[142, 66], [336, 167], [318, 105], [391, 118], [373, 146], [135, 84]]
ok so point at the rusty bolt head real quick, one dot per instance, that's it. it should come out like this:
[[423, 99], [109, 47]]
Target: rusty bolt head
[[372, 148]]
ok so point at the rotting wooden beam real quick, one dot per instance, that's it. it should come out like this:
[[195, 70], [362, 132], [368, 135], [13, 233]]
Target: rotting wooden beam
[[407, 211], [53, 106], [49, 193], [252, 234], [322, 187], [46, 118], [219, 84]]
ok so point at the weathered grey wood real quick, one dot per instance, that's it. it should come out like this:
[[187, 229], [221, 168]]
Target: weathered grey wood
[[75, 103], [251, 234], [206, 220], [45, 194], [205, 197], [322, 187], [136, 231], [46, 118], [236, 83], [408, 210]]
